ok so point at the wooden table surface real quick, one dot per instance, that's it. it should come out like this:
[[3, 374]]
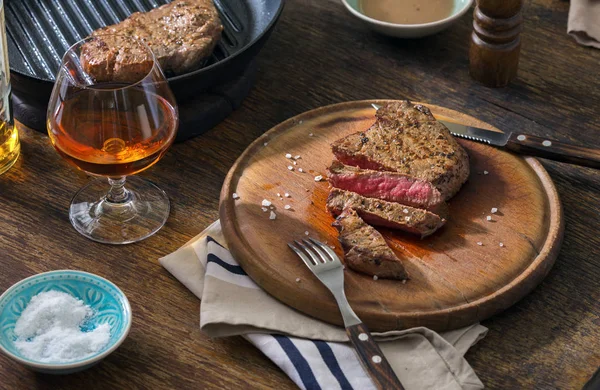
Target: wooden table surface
[[319, 55]]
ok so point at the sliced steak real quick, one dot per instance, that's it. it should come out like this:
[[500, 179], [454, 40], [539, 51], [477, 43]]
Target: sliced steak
[[379, 212], [407, 139], [182, 34], [390, 186], [365, 249]]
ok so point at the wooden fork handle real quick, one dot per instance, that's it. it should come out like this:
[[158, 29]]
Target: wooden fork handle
[[553, 150], [372, 359]]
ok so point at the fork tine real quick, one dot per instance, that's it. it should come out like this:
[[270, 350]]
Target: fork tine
[[324, 257], [315, 258], [327, 249], [304, 258]]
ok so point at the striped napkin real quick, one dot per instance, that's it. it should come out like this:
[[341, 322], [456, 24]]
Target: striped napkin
[[314, 354], [584, 22]]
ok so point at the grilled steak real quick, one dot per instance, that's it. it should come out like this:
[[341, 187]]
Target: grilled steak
[[390, 186], [407, 139], [365, 249], [181, 34], [378, 212]]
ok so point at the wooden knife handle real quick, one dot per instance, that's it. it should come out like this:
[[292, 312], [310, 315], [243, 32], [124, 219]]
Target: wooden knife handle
[[372, 359], [553, 150]]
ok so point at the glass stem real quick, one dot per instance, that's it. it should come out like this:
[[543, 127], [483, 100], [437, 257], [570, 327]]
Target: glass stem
[[117, 193]]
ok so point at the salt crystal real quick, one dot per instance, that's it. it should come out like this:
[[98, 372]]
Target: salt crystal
[[501, 244], [264, 209], [287, 207], [405, 211], [287, 195], [297, 157], [318, 178], [489, 217], [272, 207], [291, 168], [49, 329], [479, 243], [485, 172], [295, 163], [300, 170], [297, 280], [310, 134], [265, 144], [235, 196], [278, 195], [407, 218], [306, 232], [375, 277], [272, 215], [332, 247], [404, 281], [287, 155], [494, 210], [266, 203]]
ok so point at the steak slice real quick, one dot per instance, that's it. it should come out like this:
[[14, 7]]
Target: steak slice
[[390, 186], [379, 212], [181, 34], [365, 249], [407, 139]]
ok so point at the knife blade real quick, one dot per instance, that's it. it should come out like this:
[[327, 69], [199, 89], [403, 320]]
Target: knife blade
[[526, 144]]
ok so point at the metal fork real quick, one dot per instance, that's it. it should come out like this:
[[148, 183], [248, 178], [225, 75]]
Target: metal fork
[[327, 267]]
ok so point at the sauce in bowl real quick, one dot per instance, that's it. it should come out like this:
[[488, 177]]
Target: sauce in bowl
[[407, 11]]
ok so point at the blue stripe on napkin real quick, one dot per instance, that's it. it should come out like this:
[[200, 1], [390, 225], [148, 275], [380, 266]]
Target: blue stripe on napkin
[[234, 269], [332, 363], [299, 362], [210, 239]]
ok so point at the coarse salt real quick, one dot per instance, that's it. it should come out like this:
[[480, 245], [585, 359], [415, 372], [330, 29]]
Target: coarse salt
[[485, 172], [489, 217], [479, 243], [49, 329], [297, 157], [300, 170], [287, 207], [295, 163], [306, 233], [494, 210], [264, 209], [375, 277], [265, 144], [310, 134], [235, 196], [266, 203], [278, 195], [287, 195], [297, 280], [272, 215], [291, 168], [405, 211], [287, 155], [501, 244], [407, 218], [318, 178]]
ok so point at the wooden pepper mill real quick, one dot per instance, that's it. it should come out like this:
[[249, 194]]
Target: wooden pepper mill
[[496, 41]]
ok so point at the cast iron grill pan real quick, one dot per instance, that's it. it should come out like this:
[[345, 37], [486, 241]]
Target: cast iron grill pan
[[41, 31]]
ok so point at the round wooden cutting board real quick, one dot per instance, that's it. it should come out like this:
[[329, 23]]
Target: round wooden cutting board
[[455, 281]]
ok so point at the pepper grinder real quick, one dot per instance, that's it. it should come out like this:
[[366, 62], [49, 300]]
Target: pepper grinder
[[496, 41]]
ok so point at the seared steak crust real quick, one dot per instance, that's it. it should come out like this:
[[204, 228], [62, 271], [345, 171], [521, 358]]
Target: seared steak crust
[[181, 34], [382, 213], [386, 185], [365, 249], [407, 139]]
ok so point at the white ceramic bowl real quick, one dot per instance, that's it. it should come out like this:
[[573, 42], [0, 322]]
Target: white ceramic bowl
[[410, 30]]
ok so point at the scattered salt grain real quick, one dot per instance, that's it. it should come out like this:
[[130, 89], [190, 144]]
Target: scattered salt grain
[[235, 196], [278, 195], [375, 277], [287, 207], [297, 280], [485, 172], [300, 122], [332, 247], [287, 195], [489, 217], [295, 163], [494, 210], [266, 203], [318, 178], [297, 157], [310, 134], [291, 168], [49, 329], [501, 244], [300, 170], [272, 215], [306, 233], [479, 243], [265, 144], [404, 281], [287, 155], [405, 211], [264, 209], [272, 207], [407, 218]]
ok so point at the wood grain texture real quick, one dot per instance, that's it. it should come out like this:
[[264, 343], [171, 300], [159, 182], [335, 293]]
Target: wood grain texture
[[319, 55], [454, 281], [372, 359], [553, 150]]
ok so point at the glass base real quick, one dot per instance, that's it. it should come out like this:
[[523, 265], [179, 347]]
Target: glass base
[[141, 214]]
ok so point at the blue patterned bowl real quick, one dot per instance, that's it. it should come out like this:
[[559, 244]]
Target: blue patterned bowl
[[108, 301]]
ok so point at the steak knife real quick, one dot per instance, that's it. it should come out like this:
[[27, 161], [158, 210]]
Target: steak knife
[[527, 144]]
